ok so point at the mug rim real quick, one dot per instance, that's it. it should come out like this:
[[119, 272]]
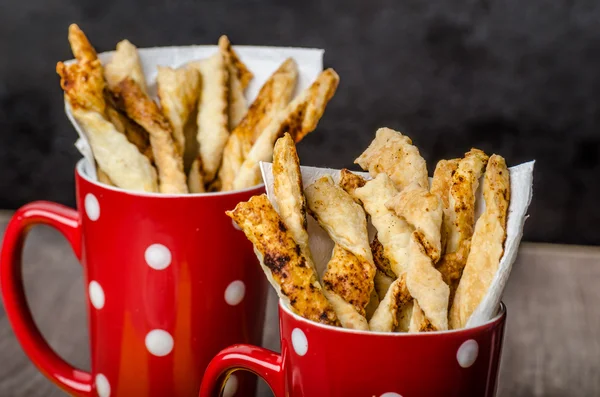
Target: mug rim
[[500, 316], [79, 170]]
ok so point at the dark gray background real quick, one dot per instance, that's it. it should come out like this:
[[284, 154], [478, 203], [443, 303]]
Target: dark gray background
[[520, 78]]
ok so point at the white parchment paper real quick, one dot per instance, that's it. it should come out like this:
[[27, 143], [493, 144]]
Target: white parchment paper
[[521, 184], [262, 61]]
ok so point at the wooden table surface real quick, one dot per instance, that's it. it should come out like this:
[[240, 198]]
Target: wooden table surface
[[553, 334]]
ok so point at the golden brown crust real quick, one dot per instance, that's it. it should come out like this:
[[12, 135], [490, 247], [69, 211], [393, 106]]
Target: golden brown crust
[[80, 45], [272, 98], [146, 113], [440, 186], [125, 63], [350, 271], [393, 232], [394, 154], [178, 91], [487, 244], [418, 321], [442, 179], [299, 118], [350, 278], [243, 74], [423, 211], [126, 167], [118, 161], [426, 285], [237, 71], [213, 114], [135, 133], [460, 215], [282, 260], [83, 85], [382, 263], [385, 318], [349, 181], [451, 267], [303, 119], [344, 220], [465, 181], [289, 192]]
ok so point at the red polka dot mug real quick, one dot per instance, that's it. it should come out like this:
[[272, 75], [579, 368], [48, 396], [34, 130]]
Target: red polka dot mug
[[325, 361], [169, 283]]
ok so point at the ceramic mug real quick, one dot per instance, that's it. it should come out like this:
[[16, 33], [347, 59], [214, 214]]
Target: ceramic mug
[[325, 361], [169, 283]]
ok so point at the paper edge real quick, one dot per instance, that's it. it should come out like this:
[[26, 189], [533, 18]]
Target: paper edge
[[489, 304]]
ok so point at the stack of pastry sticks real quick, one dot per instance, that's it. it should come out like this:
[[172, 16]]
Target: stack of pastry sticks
[[430, 262], [139, 144]]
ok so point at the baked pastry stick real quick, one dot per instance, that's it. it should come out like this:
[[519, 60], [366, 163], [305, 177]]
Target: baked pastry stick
[[135, 133], [391, 249], [487, 244], [394, 154], [238, 72], [178, 91], [423, 211], [273, 97], [428, 289], [465, 182], [348, 278], [146, 113], [460, 216], [350, 182], [392, 232], [395, 304], [296, 283], [440, 186], [289, 192], [299, 118], [118, 160], [213, 114], [125, 62]]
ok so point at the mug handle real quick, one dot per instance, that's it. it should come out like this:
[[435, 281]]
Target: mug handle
[[264, 363], [66, 221]]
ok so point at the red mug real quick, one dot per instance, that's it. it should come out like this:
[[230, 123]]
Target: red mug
[[325, 361], [169, 283]]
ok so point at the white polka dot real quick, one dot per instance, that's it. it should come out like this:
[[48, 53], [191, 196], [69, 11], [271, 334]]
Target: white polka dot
[[235, 225], [159, 342], [158, 256], [467, 353], [102, 386], [234, 293], [231, 386], [92, 207], [96, 295], [299, 342], [390, 394]]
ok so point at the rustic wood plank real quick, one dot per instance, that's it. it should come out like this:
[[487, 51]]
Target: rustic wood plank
[[552, 344]]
